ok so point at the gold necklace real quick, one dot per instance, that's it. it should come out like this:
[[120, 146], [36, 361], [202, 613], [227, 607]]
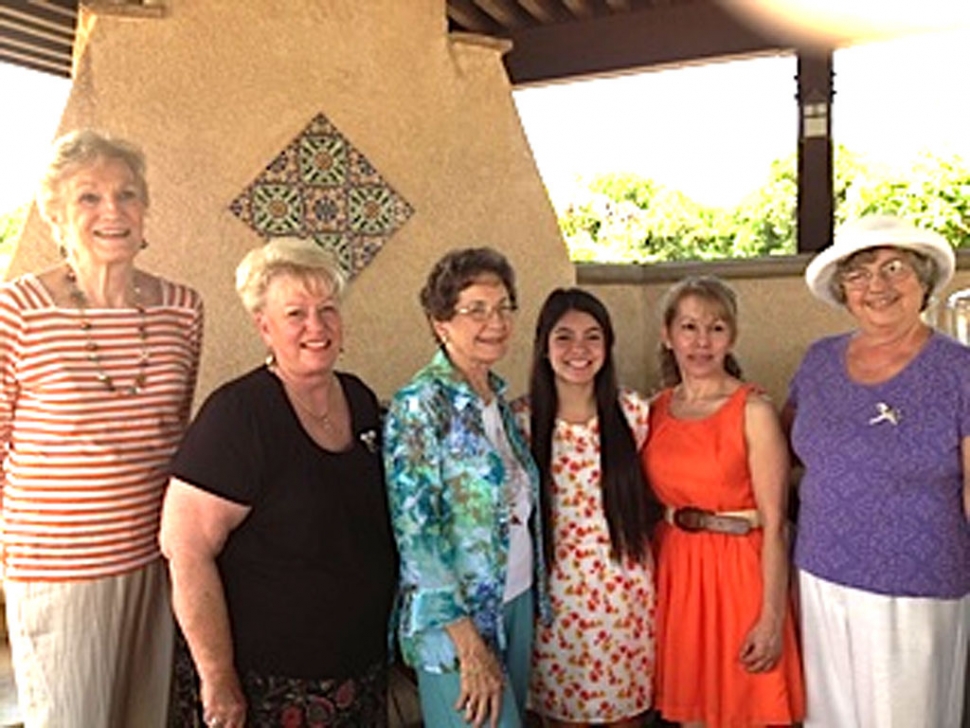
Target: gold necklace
[[323, 418], [94, 351]]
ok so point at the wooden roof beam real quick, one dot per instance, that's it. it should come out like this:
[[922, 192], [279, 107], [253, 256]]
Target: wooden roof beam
[[65, 9], [508, 13], [34, 62], [580, 8], [545, 11], [623, 42], [471, 18], [30, 48], [53, 44], [26, 19]]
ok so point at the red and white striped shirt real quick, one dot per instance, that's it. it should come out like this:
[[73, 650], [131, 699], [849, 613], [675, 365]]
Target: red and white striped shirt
[[84, 468]]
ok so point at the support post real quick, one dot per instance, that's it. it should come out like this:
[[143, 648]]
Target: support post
[[815, 169]]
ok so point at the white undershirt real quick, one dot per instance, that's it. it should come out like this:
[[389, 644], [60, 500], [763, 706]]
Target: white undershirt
[[519, 499]]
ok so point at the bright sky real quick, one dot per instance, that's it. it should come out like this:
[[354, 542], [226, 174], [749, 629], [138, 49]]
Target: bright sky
[[711, 130], [32, 105]]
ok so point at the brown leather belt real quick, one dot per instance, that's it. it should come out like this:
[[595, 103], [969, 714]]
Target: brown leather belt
[[694, 520]]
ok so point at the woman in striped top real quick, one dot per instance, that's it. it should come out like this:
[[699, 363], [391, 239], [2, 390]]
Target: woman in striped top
[[98, 364]]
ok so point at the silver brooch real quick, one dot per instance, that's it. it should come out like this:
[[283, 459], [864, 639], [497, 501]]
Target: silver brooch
[[369, 439], [886, 414]]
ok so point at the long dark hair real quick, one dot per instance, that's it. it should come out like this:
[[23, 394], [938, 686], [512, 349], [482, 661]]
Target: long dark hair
[[632, 511]]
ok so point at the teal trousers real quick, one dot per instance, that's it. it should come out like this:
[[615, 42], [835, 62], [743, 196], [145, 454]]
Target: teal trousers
[[439, 691]]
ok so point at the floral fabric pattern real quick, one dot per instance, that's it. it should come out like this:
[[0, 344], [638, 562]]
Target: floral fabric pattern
[[446, 487], [595, 661], [358, 702], [284, 702]]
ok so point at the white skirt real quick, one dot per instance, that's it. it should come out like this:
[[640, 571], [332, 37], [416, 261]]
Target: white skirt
[[877, 661]]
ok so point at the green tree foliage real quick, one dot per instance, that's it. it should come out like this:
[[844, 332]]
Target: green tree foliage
[[934, 194], [630, 219], [626, 218], [11, 224], [764, 222]]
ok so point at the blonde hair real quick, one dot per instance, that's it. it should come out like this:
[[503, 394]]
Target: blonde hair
[[82, 148], [296, 257], [723, 301]]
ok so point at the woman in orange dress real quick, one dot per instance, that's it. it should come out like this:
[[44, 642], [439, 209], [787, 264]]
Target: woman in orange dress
[[716, 457]]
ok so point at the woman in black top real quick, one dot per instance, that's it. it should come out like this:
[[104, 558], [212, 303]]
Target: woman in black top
[[275, 523]]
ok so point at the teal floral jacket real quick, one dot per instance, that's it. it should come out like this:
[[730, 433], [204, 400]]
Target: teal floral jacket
[[450, 514]]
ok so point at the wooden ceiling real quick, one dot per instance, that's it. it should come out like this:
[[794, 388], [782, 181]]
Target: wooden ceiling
[[557, 39], [38, 34], [550, 39]]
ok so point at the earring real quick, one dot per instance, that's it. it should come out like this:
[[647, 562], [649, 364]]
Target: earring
[[270, 360]]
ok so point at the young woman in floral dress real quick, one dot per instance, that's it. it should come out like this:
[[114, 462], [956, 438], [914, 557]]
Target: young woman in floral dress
[[594, 663]]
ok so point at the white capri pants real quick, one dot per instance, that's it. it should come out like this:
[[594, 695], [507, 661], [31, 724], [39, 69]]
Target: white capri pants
[[94, 653], [877, 661]]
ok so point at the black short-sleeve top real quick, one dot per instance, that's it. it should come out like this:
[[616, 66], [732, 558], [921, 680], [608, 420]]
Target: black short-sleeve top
[[309, 575]]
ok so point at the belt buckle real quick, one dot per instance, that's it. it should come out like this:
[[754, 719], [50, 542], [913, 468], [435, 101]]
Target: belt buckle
[[691, 519]]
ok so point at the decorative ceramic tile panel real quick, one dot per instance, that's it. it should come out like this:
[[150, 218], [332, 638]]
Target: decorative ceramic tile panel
[[319, 186]]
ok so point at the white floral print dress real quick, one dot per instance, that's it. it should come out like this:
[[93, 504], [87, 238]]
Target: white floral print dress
[[595, 661]]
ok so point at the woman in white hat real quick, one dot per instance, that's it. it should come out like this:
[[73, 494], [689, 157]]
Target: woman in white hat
[[880, 419]]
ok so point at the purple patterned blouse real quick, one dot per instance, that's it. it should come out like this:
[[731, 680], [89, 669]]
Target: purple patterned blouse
[[881, 505]]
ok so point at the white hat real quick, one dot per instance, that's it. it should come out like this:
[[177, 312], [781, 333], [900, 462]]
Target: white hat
[[878, 231]]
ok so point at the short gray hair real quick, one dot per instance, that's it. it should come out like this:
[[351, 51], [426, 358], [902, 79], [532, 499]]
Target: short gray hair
[[296, 257], [82, 148], [926, 269]]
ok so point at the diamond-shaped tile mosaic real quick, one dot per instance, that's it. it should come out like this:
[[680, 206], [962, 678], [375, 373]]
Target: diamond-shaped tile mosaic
[[320, 186]]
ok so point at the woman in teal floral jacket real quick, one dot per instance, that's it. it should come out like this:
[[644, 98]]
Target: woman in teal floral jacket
[[463, 492]]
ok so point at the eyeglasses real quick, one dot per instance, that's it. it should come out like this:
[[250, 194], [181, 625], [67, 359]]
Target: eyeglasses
[[892, 271], [480, 312]]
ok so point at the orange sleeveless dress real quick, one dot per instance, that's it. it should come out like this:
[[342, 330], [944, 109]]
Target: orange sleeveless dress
[[709, 585]]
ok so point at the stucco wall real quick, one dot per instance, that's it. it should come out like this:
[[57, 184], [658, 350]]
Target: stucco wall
[[778, 319], [213, 90]]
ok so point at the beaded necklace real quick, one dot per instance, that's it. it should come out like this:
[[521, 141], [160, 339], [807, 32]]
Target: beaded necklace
[[92, 348]]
